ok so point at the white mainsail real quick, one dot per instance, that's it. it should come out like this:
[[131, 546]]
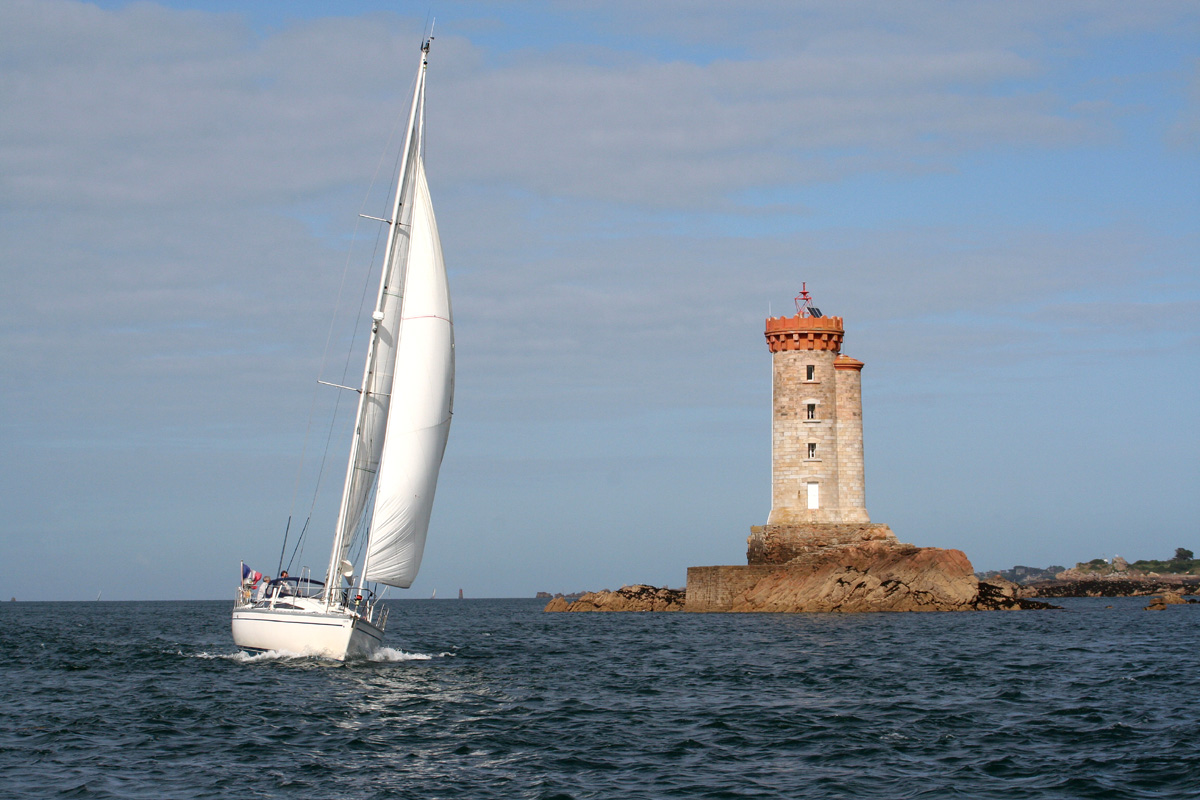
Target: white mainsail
[[421, 405]]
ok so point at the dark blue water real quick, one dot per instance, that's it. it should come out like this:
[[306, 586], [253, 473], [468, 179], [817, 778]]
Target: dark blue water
[[494, 699]]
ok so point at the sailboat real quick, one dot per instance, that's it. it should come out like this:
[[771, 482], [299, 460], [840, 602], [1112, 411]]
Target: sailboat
[[403, 419]]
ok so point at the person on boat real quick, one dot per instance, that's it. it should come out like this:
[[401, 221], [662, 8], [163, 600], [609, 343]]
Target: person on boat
[[284, 588], [262, 589]]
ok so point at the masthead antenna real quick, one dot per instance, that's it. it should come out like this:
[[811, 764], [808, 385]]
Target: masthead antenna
[[429, 39]]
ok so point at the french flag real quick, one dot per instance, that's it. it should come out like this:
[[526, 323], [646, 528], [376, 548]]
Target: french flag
[[250, 576]]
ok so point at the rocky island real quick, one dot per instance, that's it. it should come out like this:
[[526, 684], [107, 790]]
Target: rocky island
[[865, 568], [853, 568]]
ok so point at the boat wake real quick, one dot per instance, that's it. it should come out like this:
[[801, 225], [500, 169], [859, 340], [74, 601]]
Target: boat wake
[[257, 658], [390, 654], [382, 655]]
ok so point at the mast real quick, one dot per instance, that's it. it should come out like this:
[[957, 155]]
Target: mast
[[416, 130], [333, 573]]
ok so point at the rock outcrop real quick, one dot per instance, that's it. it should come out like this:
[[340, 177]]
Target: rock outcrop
[[878, 574], [1109, 587], [830, 568], [998, 594], [867, 576], [847, 568], [1161, 602], [628, 598]]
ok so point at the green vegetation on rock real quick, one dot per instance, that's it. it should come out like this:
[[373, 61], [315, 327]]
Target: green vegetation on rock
[[1176, 566], [1183, 563]]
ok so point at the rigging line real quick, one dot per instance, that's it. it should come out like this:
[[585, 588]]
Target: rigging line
[[357, 545], [357, 222], [303, 531], [337, 404], [358, 319], [359, 533], [345, 365], [345, 526], [312, 409], [374, 253], [329, 335], [283, 549]]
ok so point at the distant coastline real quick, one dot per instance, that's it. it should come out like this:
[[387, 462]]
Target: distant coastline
[[1115, 577]]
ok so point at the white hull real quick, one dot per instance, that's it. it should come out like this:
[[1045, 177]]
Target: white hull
[[334, 634]]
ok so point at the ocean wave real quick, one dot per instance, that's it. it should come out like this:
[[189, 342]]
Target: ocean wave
[[241, 657], [391, 654], [905, 706]]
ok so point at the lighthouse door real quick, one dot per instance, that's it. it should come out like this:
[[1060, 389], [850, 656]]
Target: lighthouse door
[[813, 499]]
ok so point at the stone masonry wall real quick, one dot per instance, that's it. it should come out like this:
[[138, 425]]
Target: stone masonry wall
[[714, 588], [792, 432], [852, 503], [822, 448]]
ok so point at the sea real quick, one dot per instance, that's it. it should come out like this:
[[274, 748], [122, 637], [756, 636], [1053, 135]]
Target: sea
[[496, 699]]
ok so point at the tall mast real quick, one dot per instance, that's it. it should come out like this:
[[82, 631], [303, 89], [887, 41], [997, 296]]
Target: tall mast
[[333, 573], [416, 129]]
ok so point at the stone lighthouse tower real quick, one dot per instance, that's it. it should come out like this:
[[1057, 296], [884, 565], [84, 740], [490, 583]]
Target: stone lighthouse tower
[[819, 550], [816, 422]]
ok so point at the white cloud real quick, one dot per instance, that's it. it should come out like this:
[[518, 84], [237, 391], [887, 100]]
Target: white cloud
[[177, 192]]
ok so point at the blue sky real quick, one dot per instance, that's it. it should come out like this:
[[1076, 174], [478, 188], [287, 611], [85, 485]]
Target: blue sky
[[1001, 199]]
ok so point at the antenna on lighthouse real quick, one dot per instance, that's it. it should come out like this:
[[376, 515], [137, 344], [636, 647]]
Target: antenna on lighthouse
[[804, 306]]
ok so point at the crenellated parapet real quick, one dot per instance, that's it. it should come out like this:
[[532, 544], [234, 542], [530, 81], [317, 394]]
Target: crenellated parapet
[[804, 333]]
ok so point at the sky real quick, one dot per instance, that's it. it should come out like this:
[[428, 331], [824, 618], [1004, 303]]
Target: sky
[[1000, 199]]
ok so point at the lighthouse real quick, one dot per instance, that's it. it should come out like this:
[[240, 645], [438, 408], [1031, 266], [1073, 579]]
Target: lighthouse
[[816, 421], [819, 550]]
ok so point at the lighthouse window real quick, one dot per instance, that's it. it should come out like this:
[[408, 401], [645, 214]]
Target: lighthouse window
[[812, 449], [812, 411], [811, 372]]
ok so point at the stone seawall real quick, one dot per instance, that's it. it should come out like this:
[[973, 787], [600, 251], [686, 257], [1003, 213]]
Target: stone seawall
[[714, 588]]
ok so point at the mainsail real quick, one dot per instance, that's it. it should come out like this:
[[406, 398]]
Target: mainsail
[[422, 402], [408, 385]]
